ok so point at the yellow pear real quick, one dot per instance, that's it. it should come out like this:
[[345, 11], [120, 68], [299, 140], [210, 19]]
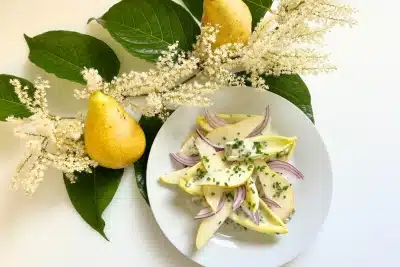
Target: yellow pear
[[232, 16], [112, 137]]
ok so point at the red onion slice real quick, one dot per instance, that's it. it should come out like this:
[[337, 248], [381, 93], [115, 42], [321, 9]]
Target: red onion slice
[[257, 217], [217, 147], [287, 169], [240, 195], [262, 125], [186, 160], [204, 213], [213, 120], [270, 202], [208, 212]]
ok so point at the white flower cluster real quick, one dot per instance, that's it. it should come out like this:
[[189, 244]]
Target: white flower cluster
[[282, 43], [171, 83], [285, 40], [51, 141]]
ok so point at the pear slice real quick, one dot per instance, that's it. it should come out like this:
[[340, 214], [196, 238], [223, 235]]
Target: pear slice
[[228, 118], [252, 199], [235, 131], [202, 122], [213, 195], [191, 188], [272, 183], [220, 172], [210, 225], [260, 147], [188, 182], [212, 160], [174, 177], [269, 222]]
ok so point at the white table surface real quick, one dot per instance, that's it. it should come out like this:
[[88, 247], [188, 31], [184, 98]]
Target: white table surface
[[356, 111]]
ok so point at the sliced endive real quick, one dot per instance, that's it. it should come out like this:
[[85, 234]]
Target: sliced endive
[[260, 147], [210, 225], [252, 199], [228, 118], [188, 182], [174, 177], [220, 172], [269, 222], [212, 160], [238, 130], [213, 195], [277, 188]]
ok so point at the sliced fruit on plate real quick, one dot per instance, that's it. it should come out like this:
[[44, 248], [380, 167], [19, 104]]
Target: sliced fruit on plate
[[212, 160], [228, 118], [219, 172], [210, 225], [203, 124], [213, 195], [174, 177], [190, 187], [260, 147], [188, 182], [277, 188], [269, 222], [237, 174], [252, 199], [238, 130]]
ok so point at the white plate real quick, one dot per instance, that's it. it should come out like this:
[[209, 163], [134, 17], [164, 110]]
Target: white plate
[[174, 211]]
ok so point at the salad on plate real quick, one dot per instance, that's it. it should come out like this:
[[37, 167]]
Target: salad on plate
[[239, 169]]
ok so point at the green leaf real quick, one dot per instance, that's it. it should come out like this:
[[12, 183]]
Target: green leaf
[[66, 53], [292, 88], [195, 7], [147, 28], [150, 126], [9, 102], [258, 8], [92, 193]]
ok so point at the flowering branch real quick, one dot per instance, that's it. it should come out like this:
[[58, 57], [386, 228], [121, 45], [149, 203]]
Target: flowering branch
[[285, 41], [53, 141]]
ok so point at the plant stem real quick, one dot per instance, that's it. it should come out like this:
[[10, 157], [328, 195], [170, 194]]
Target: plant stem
[[188, 79]]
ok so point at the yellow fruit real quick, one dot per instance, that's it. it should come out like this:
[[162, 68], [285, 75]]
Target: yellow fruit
[[268, 178], [233, 17], [270, 222], [112, 137]]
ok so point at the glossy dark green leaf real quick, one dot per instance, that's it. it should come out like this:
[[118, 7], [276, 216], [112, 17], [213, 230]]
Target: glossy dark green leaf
[[150, 126], [258, 8], [146, 28], [92, 193], [66, 53], [292, 88], [195, 7], [9, 102]]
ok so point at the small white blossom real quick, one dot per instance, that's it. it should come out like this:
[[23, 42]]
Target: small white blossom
[[284, 40], [52, 141], [170, 82]]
